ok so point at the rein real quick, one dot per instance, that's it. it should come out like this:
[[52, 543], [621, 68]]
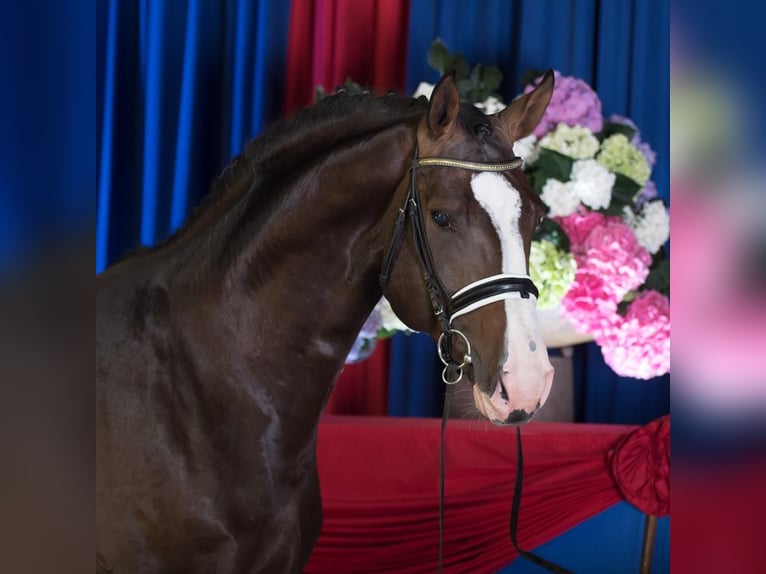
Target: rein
[[447, 308]]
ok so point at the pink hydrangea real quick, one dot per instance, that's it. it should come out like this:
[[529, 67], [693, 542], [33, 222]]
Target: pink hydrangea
[[573, 102], [607, 247], [588, 304], [612, 251], [578, 226], [610, 263], [638, 344]]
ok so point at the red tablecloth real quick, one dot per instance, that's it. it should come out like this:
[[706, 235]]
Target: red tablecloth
[[379, 479]]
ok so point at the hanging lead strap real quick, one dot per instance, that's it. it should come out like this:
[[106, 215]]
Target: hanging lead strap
[[542, 562], [445, 415]]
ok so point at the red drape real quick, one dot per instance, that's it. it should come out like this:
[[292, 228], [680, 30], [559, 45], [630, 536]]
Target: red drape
[[379, 479], [641, 467], [331, 40], [362, 388]]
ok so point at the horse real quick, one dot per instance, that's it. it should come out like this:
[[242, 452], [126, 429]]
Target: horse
[[217, 349]]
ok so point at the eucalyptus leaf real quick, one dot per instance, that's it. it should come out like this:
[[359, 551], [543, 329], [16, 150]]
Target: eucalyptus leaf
[[491, 77], [439, 56]]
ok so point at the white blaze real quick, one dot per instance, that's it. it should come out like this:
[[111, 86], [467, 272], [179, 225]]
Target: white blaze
[[526, 357], [503, 204]]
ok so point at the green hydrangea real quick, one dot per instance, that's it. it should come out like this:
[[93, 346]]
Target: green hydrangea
[[552, 270], [572, 141], [620, 156]]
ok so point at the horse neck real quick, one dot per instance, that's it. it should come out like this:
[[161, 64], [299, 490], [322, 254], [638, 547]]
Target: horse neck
[[295, 296]]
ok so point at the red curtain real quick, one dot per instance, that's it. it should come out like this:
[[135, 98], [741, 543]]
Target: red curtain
[[379, 479], [331, 40], [362, 388]]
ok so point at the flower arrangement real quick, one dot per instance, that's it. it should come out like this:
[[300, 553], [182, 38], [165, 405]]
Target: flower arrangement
[[594, 173], [598, 258]]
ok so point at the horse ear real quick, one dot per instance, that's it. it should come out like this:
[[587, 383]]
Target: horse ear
[[524, 113], [443, 106]]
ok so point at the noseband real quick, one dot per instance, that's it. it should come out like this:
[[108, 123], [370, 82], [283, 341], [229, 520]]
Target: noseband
[[471, 297]]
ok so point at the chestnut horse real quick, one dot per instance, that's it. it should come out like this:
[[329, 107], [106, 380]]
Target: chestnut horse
[[217, 350]]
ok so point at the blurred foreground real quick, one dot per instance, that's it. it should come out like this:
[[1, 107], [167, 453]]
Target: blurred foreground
[[719, 277]]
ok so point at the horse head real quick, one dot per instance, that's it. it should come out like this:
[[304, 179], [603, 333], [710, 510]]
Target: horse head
[[473, 227]]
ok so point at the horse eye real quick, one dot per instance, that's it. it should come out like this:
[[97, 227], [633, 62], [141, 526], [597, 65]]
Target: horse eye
[[440, 218]]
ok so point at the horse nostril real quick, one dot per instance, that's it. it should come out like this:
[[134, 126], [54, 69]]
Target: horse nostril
[[503, 393], [518, 416]]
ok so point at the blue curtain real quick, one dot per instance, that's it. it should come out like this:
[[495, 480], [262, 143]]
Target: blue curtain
[[616, 534], [621, 48], [181, 86]]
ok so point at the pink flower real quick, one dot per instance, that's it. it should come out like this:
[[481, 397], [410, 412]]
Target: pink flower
[[638, 345], [579, 225], [612, 251], [573, 102], [588, 304]]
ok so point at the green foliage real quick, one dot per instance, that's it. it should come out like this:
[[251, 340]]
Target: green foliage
[[555, 164], [611, 128], [624, 194], [548, 164], [529, 77], [349, 86], [474, 85], [553, 232], [659, 274]]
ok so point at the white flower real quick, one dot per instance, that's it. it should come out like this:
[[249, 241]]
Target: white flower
[[592, 183], [527, 149], [628, 216], [652, 226], [490, 106], [560, 197], [576, 142], [389, 320], [423, 89]]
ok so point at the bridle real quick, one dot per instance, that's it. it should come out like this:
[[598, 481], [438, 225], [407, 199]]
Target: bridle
[[447, 308]]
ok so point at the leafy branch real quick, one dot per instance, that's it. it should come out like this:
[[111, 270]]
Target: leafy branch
[[476, 84]]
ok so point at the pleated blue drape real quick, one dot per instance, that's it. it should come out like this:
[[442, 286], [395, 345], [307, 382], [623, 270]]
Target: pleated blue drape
[[619, 47], [182, 85]]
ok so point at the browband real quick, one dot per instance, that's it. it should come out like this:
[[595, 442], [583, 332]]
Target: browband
[[472, 165]]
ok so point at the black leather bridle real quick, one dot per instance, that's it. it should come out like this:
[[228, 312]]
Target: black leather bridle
[[448, 307]]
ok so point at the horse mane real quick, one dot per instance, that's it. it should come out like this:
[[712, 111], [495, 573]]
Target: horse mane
[[332, 121], [283, 147]]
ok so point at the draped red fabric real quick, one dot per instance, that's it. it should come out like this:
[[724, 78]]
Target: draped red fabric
[[380, 480], [331, 40], [362, 387], [641, 467]]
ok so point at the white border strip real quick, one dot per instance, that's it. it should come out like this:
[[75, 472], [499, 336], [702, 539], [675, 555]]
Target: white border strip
[[488, 280], [488, 300]]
